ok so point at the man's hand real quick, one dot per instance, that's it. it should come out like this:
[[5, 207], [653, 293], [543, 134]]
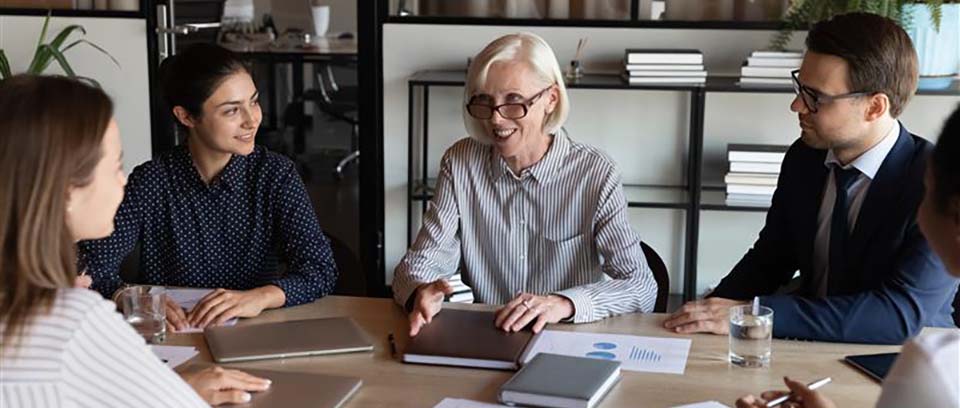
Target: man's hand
[[526, 307], [427, 303], [703, 316]]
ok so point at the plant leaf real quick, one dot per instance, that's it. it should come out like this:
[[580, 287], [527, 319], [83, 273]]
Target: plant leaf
[[57, 55], [4, 66], [43, 36], [58, 41], [95, 46], [89, 80]]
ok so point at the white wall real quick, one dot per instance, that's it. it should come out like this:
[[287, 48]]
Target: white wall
[[644, 131], [128, 85]]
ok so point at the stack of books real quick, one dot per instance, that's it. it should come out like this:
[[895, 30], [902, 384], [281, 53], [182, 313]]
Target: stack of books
[[654, 66], [754, 170], [770, 68], [461, 292]]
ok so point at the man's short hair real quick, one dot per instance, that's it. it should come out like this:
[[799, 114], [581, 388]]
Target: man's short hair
[[880, 55]]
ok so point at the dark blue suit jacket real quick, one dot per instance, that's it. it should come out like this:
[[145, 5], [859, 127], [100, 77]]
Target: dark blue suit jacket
[[894, 284]]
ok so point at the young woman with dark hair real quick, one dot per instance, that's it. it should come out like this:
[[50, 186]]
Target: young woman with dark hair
[[217, 211]]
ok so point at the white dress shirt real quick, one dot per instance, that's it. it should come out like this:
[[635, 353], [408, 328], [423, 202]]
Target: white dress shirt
[[868, 164]]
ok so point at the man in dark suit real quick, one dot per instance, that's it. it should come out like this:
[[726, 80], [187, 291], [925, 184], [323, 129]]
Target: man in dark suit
[[844, 213]]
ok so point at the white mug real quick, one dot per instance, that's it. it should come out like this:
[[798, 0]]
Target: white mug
[[321, 20]]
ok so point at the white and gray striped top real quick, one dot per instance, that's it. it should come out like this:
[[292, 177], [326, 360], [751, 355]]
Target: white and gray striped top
[[561, 227], [82, 354]]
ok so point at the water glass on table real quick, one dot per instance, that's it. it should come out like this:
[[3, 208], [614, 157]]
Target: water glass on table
[[143, 307], [751, 331]]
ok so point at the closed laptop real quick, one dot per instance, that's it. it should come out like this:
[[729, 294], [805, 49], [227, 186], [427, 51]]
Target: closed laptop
[[467, 338], [296, 338], [296, 390]]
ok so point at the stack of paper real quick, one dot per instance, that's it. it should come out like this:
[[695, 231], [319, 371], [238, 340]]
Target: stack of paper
[[173, 356], [635, 353]]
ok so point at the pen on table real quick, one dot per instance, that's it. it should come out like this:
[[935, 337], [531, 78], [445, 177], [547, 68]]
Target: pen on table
[[812, 386], [393, 345]]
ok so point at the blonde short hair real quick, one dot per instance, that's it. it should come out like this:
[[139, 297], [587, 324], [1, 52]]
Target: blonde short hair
[[524, 47]]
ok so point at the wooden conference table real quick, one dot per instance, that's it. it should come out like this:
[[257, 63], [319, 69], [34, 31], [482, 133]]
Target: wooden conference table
[[389, 383]]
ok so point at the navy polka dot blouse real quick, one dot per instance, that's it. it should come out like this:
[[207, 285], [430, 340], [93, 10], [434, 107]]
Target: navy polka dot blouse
[[227, 234]]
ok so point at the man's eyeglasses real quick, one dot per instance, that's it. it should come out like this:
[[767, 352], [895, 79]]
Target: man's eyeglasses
[[513, 110], [813, 99]]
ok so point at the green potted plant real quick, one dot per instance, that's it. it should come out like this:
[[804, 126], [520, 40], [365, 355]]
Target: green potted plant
[[933, 25], [48, 52]]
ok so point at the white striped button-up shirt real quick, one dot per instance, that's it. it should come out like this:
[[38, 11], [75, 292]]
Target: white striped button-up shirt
[[80, 353], [560, 227]]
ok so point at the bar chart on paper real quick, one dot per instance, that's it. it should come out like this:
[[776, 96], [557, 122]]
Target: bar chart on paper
[[635, 353]]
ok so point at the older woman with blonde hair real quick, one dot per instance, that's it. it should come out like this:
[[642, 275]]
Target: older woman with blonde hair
[[533, 219]]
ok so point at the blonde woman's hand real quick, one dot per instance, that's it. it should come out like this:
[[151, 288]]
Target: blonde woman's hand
[[526, 308]]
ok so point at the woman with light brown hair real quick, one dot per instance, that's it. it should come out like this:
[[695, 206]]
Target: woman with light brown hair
[[61, 181]]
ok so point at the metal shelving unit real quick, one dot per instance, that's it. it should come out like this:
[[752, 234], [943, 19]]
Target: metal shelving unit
[[693, 197]]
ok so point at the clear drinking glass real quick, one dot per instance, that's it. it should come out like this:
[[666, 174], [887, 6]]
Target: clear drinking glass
[[143, 308], [750, 336]]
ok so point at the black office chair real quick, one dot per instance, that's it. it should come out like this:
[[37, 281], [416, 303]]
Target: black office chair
[[342, 103], [660, 274], [336, 101], [956, 310]]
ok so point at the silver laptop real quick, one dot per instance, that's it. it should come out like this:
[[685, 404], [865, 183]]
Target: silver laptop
[[293, 390], [297, 338]]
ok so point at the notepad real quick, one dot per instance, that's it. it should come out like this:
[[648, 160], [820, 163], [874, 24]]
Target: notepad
[[553, 380]]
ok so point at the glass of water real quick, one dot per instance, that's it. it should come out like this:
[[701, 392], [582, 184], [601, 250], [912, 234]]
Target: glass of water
[[750, 336], [143, 308]]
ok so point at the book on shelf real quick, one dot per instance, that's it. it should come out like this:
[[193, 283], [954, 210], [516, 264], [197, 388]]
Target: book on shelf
[[777, 54], [643, 73], [766, 72], [554, 380], [663, 67], [756, 153], [749, 200], [750, 189], [774, 62], [663, 56], [748, 167], [757, 179], [777, 82], [632, 80]]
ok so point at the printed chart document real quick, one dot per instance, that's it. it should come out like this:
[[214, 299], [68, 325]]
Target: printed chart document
[[173, 356], [635, 353], [463, 403], [187, 298], [708, 404]]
